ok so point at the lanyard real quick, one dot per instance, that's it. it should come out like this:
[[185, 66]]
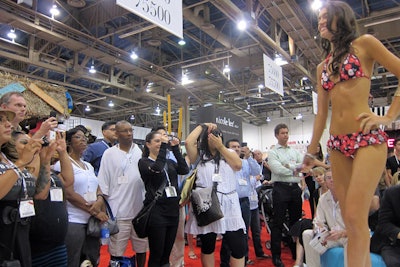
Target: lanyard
[[216, 167], [165, 170], [128, 159]]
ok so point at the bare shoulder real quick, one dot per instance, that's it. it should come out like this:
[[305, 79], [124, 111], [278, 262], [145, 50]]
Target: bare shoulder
[[365, 39]]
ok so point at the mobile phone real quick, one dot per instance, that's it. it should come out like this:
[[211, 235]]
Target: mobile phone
[[53, 114], [244, 144]]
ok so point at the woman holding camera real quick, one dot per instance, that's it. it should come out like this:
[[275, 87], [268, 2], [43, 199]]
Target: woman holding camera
[[158, 172], [217, 164], [18, 191]]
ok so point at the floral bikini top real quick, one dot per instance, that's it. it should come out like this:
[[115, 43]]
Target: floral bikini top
[[350, 69]]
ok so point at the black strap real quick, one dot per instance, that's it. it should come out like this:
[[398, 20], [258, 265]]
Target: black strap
[[14, 235]]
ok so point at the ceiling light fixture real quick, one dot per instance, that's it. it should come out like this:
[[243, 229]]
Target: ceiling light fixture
[[111, 104], [132, 118], [186, 80], [92, 69], [12, 35], [242, 25], [316, 5], [54, 11], [158, 110], [134, 55], [268, 119], [182, 42], [260, 86], [226, 69], [279, 60], [87, 108]]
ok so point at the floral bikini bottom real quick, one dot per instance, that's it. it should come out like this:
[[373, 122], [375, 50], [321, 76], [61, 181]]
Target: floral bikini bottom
[[349, 143]]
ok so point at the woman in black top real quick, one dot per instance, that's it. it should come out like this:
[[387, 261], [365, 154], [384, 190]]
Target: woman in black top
[[19, 189], [156, 169]]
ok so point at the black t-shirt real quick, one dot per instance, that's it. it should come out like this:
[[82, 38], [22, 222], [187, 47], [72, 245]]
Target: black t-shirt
[[392, 163], [49, 226]]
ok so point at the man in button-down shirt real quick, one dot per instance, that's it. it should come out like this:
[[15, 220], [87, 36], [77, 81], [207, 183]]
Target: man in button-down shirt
[[286, 194], [243, 188]]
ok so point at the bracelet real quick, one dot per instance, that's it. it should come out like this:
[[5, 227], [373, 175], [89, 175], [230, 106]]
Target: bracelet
[[100, 195], [203, 125]]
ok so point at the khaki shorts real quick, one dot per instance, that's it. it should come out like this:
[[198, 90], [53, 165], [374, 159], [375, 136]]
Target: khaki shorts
[[118, 242]]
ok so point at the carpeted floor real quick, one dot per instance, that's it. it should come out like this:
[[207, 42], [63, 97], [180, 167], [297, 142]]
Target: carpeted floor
[[286, 255]]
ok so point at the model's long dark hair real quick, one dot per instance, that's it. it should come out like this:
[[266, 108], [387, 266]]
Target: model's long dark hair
[[345, 33], [202, 146]]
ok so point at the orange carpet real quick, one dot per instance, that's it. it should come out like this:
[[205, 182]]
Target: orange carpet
[[286, 255]]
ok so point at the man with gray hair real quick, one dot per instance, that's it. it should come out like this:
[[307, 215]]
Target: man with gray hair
[[15, 102]]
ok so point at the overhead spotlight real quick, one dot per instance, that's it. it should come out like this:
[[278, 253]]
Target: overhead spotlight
[[226, 69], [185, 79], [268, 119], [158, 110], [132, 118], [54, 11], [12, 35], [87, 108], [182, 42], [92, 69], [248, 107], [260, 86], [279, 60], [316, 5], [298, 117], [134, 55], [111, 104], [242, 25]]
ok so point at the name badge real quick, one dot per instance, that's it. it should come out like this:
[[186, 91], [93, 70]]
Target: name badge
[[170, 191], [122, 179], [90, 197], [242, 181], [26, 208], [217, 177], [56, 194]]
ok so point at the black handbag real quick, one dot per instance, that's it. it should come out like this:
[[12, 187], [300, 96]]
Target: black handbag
[[206, 206], [141, 220], [94, 224]]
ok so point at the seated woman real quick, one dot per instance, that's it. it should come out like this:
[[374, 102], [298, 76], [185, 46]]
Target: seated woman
[[18, 191], [84, 199], [217, 164]]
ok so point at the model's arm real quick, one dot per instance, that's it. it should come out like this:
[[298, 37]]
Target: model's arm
[[322, 114], [379, 53]]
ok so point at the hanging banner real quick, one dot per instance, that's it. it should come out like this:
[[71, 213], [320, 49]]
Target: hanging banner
[[273, 75], [164, 13]]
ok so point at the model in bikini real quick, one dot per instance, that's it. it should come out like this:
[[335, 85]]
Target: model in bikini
[[358, 144]]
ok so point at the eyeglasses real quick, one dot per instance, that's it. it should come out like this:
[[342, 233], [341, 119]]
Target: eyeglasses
[[80, 137]]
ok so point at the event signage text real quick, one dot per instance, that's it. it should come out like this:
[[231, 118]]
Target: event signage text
[[273, 75], [165, 13]]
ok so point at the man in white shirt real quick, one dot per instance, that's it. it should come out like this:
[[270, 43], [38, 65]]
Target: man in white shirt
[[328, 218], [122, 186]]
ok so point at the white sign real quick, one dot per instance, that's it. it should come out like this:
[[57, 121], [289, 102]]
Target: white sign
[[273, 75], [165, 13]]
